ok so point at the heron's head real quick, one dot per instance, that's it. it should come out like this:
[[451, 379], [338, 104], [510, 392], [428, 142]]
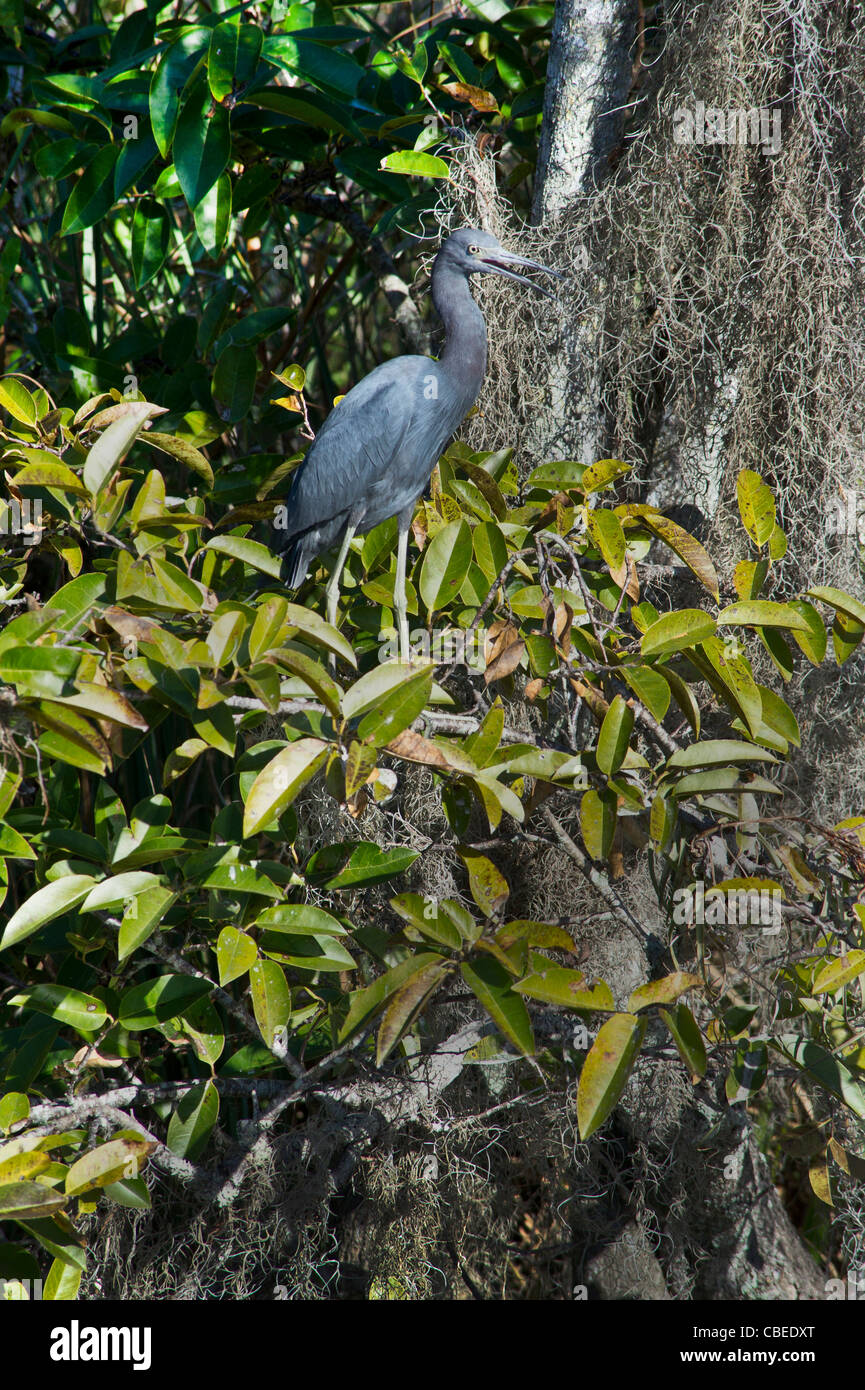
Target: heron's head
[[480, 253]]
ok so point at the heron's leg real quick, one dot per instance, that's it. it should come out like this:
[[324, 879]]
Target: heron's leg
[[399, 587], [332, 590]]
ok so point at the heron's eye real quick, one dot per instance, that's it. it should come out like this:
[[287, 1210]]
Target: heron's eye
[[474, 250]]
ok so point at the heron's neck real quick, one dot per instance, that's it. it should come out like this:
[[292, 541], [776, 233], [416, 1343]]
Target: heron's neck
[[465, 350]]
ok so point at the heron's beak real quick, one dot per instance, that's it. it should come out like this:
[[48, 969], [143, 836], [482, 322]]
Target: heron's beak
[[499, 260]]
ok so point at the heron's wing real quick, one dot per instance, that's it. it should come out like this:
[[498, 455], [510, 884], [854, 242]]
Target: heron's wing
[[360, 445]]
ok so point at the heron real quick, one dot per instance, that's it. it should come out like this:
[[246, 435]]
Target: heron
[[374, 454]]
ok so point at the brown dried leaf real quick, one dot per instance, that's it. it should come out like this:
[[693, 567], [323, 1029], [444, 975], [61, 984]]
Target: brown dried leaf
[[504, 664], [596, 702], [477, 97], [90, 1057]]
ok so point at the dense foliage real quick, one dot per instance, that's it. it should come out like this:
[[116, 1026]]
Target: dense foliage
[[187, 949], [195, 215]]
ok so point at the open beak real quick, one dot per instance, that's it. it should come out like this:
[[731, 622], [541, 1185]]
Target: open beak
[[499, 262]]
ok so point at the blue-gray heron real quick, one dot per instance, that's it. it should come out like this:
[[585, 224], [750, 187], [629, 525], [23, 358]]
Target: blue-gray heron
[[373, 456]]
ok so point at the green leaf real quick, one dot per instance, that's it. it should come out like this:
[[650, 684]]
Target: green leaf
[[446, 564], [317, 64], [406, 1004], [28, 1199], [13, 845], [311, 108], [614, 736], [67, 1005], [62, 1283], [814, 643], [422, 166], [141, 918], [112, 446], [492, 985], [10, 781], [719, 751], [312, 673], [316, 951], [490, 548], [268, 624], [234, 390], [729, 674], [355, 865], [248, 552], [482, 744], [129, 1192], [169, 81], [17, 400], [829, 1071], [119, 1158], [157, 1001], [38, 671], [756, 506], [365, 1003], [839, 600], [212, 216], [318, 631], [116, 891], [847, 633], [675, 631], [836, 973], [686, 547], [598, 822], [202, 144], [688, 1039], [664, 991], [568, 988], [376, 685], [299, 919], [779, 716], [182, 758], [279, 782], [605, 531], [225, 636], [151, 238], [232, 57], [544, 934], [92, 195], [606, 1070], [487, 885], [426, 917], [202, 1025], [271, 1000], [599, 474], [44, 905], [396, 710], [180, 449], [14, 1107], [58, 1236], [761, 613], [191, 1124], [104, 703], [235, 954]]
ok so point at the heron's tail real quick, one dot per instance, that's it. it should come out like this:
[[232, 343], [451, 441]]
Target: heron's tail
[[295, 563]]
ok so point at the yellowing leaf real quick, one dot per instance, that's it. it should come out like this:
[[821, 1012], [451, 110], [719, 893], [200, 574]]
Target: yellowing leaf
[[279, 782], [606, 1070]]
